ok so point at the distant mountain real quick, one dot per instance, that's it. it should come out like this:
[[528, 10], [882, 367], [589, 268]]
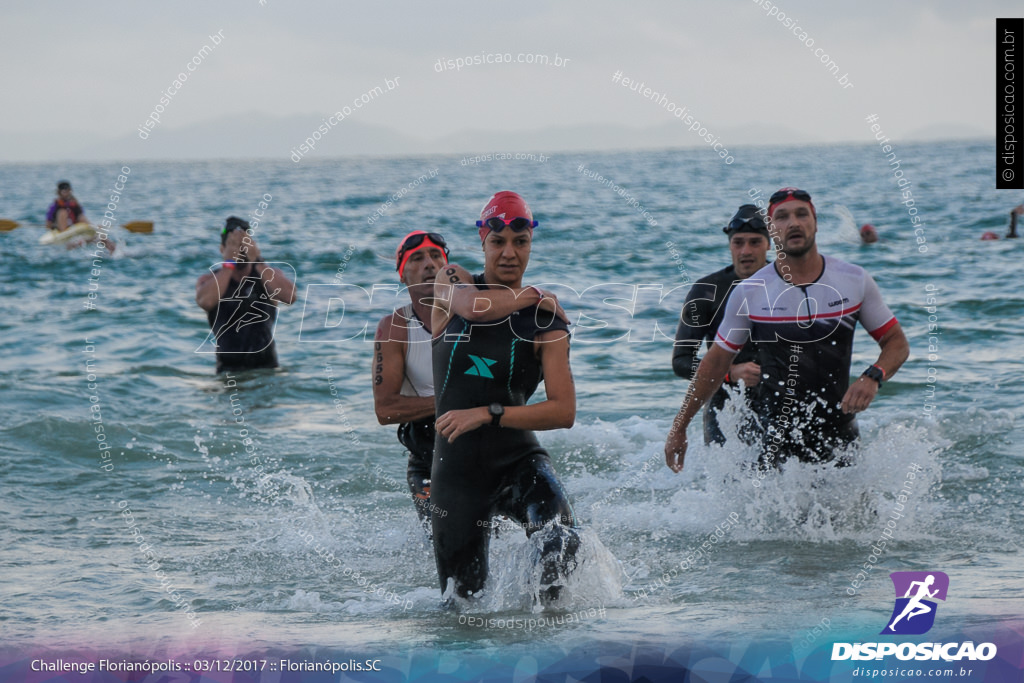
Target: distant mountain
[[763, 134], [257, 135], [253, 135], [596, 137], [582, 138], [946, 131]]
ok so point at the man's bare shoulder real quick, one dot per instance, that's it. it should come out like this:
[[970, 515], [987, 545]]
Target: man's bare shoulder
[[392, 328]]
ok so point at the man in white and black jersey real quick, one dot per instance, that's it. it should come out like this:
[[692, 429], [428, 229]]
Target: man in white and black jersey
[[801, 311], [403, 379]]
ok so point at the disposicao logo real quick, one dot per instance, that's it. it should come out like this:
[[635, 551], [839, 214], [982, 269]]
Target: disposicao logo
[[914, 614]]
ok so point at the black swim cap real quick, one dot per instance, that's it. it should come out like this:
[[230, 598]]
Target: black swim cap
[[230, 225], [747, 219], [63, 185]]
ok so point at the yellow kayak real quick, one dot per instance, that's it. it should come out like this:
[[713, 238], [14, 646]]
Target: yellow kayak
[[81, 230]]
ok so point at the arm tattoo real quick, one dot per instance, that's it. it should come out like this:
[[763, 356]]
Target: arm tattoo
[[378, 368]]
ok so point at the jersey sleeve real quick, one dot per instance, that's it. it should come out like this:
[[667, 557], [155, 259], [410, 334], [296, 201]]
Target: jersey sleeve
[[734, 330], [51, 213], [875, 316]]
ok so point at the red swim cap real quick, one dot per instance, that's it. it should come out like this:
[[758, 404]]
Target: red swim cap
[[989, 236], [408, 246], [506, 205], [788, 194]]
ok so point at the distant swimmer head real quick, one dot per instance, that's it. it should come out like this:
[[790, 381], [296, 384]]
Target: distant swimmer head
[[230, 225], [868, 234], [415, 241], [789, 194], [505, 209], [989, 236], [747, 219]]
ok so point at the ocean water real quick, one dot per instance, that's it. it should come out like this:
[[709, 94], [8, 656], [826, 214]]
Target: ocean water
[[321, 547]]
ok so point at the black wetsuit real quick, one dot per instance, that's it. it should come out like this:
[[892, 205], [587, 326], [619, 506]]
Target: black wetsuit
[[491, 470], [243, 325], [418, 437], [702, 313]]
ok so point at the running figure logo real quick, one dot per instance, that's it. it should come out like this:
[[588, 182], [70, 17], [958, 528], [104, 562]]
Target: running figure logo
[[257, 311], [914, 612]]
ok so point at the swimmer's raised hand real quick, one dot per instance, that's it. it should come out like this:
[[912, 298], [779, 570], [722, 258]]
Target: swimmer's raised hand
[[242, 248]]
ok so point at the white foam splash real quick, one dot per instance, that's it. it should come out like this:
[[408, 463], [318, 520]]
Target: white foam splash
[[800, 501]]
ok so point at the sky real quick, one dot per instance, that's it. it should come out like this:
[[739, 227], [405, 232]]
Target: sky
[[76, 73]]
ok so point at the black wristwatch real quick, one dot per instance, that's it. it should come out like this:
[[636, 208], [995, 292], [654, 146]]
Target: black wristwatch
[[496, 410], [874, 372]]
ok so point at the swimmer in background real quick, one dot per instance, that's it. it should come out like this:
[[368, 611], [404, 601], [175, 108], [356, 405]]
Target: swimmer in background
[[703, 310], [240, 297], [868, 234], [1011, 232]]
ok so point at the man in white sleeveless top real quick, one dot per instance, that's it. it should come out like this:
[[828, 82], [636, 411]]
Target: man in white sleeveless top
[[403, 381]]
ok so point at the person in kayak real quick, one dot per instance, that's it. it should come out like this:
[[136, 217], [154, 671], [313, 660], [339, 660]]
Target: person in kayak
[[65, 210]]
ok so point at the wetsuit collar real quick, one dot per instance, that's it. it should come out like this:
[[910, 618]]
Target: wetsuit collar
[[480, 281]]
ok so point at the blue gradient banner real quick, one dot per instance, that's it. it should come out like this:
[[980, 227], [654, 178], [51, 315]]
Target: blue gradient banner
[[727, 662]]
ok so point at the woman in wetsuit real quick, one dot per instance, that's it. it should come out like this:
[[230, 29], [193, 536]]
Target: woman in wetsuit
[[494, 340]]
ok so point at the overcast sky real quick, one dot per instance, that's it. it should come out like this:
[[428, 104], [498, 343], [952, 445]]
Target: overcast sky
[[100, 67]]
